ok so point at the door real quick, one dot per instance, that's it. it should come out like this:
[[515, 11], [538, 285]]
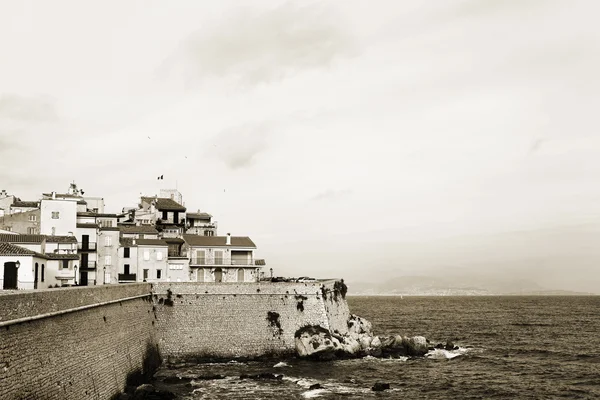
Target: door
[[10, 275], [85, 242], [218, 275], [35, 277], [241, 275], [200, 275], [83, 278]]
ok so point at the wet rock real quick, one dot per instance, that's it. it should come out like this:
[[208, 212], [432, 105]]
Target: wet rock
[[416, 346], [315, 386], [380, 387], [149, 392], [439, 346], [449, 346], [314, 341], [209, 377]]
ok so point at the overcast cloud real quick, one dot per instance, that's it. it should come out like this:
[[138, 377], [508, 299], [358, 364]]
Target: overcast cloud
[[331, 133]]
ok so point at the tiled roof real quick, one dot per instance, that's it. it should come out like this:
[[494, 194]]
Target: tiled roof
[[174, 240], [151, 242], [36, 238], [218, 241], [198, 215], [86, 225], [93, 214], [165, 204], [30, 204], [53, 256], [138, 229], [110, 228], [9, 249], [127, 242]]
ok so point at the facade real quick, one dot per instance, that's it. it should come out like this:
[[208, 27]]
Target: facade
[[108, 253], [20, 268], [222, 258], [200, 223], [22, 222], [138, 231], [152, 260], [58, 216], [127, 260]]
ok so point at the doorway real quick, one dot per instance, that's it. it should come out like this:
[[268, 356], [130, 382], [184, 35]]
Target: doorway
[[240, 275], [10, 275], [218, 275]]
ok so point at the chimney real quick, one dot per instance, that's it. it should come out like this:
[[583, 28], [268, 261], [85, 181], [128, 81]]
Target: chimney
[[228, 239]]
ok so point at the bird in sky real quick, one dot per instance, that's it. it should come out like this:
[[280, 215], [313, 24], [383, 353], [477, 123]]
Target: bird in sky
[[148, 137], [161, 177]]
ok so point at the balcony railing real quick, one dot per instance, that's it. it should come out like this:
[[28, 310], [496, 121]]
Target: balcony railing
[[207, 261], [91, 265], [127, 277], [86, 246]]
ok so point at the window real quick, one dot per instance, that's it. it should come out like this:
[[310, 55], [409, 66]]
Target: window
[[65, 264], [106, 223], [209, 233], [126, 252], [55, 215], [8, 228], [42, 272], [145, 274], [175, 266], [126, 269], [158, 273], [108, 241], [146, 255], [31, 231], [159, 255], [107, 260], [32, 218]]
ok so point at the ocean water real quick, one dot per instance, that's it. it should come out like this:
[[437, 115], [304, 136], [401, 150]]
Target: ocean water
[[510, 348]]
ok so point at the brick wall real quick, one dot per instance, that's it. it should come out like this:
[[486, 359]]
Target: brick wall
[[205, 320], [90, 353]]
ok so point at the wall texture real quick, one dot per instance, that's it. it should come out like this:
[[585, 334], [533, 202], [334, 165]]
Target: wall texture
[[90, 353], [196, 320]]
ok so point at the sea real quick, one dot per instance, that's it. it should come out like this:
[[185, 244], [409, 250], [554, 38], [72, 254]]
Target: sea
[[510, 347]]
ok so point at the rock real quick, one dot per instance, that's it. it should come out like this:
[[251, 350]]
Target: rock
[[439, 346], [365, 341], [149, 392], [358, 325], [314, 341], [351, 346], [380, 387], [376, 343], [416, 346], [315, 386], [449, 345], [263, 376], [209, 377]]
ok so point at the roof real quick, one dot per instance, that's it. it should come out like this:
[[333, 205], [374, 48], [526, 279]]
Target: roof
[[163, 203], [151, 242], [138, 229], [93, 214], [53, 256], [127, 242], [29, 204], [198, 215], [82, 202], [9, 249], [174, 240], [36, 238], [65, 195], [86, 225], [218, 241], [109, 228]]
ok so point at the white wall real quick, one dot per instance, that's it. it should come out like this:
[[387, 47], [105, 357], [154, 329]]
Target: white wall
[[67, 217]]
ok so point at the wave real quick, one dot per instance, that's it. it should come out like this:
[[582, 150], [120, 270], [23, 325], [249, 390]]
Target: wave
[[442, 354]]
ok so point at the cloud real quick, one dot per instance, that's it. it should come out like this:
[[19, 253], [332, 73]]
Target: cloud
[[331, 194], [29, 109], [239, 146], [262, 47]]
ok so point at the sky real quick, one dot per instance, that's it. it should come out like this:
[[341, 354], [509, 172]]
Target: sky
[[346, 138]]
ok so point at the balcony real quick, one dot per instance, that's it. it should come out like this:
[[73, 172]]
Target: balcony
[[86, 246], [127, 277], [90, 266], [205, 261]]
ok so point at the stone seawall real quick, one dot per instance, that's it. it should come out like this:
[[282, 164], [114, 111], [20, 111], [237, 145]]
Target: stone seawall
[[230, 320], [75, 343]]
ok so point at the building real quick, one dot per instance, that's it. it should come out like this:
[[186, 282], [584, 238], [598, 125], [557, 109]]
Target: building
[[22, 222], [138, 231], [20, 268], [221, 258], [58, 252], [58, 216], [169, 215], [200, 223], [127, 260], [152, 260]]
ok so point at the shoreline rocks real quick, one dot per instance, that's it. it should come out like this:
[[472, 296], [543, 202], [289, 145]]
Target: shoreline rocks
[[316, 342]]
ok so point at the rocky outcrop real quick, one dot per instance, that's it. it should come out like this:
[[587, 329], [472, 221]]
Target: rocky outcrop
[[318, 343]]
